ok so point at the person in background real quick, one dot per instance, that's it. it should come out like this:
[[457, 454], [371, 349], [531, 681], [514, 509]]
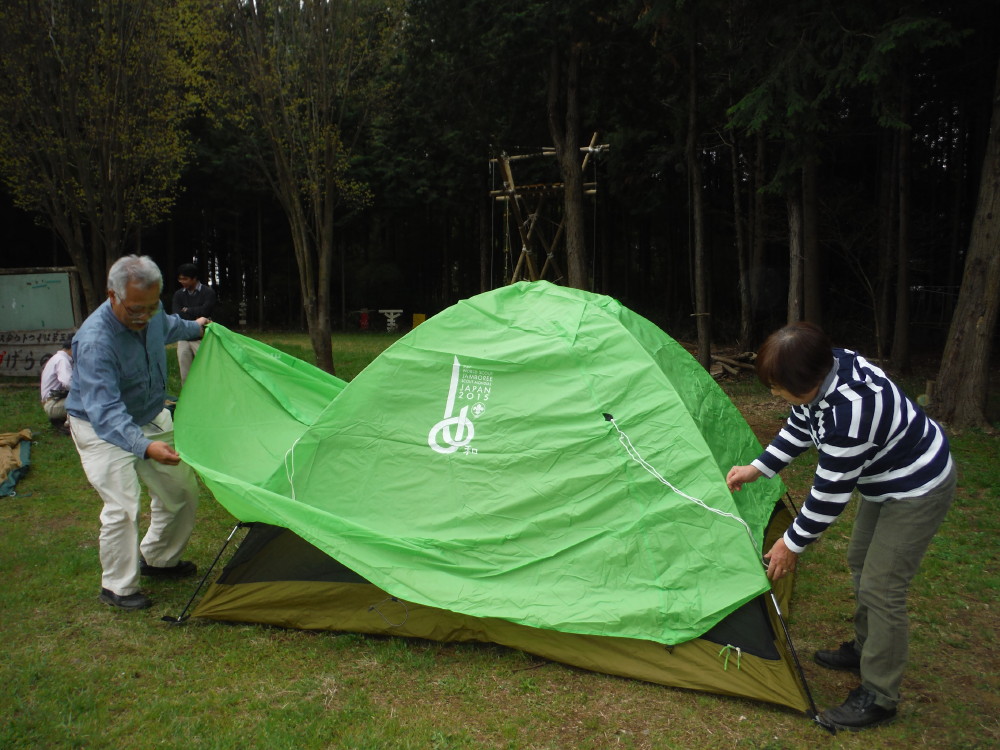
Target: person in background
[[124, 434], [57, 375], [873, 438], [192, 301]]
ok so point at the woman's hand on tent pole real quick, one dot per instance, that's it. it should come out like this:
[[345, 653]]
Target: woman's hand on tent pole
[[740, 475], [780, 560]]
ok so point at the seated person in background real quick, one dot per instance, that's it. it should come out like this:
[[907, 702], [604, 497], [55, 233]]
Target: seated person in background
[[57, 376]]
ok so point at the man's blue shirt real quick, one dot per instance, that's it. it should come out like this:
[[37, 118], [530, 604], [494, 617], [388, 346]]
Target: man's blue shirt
[[120, 375]]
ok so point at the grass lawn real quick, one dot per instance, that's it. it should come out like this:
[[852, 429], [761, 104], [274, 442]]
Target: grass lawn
[[77, 673]]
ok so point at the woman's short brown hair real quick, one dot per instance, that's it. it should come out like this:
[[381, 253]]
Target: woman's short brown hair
[[796, 358]]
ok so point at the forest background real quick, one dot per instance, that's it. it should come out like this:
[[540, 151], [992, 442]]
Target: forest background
[[754, 162]]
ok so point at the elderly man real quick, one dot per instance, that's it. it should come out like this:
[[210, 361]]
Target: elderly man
[[123, 433]]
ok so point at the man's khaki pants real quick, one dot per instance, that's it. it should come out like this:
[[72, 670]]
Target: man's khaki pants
[[185, 356], [55, 409], [115, 474]]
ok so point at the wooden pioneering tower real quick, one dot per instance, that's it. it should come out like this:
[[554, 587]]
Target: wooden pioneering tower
[[533, 210]]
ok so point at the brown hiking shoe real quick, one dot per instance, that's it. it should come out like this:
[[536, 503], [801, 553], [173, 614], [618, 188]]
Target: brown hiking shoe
[[845, 658]]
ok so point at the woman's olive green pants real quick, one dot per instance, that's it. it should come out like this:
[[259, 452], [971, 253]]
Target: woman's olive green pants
[[887, 545]]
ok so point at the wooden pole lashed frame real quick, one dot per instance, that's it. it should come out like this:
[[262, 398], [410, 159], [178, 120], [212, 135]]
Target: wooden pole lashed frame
[[528, 205]]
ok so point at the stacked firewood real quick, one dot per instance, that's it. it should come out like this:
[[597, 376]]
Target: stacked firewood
[[732, 364]]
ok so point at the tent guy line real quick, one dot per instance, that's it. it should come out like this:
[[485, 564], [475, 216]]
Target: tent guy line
[[290, 472], [637, 457]]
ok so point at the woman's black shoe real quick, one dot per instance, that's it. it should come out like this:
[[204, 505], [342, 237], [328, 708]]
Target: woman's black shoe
[[845, 658], [859, 712]]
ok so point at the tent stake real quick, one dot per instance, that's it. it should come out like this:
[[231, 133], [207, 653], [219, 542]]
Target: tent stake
[[814, 713], [183, 616]]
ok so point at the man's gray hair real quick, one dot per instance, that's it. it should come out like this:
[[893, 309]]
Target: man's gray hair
[[137, 269]]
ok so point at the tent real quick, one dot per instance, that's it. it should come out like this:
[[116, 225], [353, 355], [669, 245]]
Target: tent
[[535, 466]]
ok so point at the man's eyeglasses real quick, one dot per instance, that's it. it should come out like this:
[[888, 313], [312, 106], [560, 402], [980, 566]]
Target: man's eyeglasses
[[148, 311]]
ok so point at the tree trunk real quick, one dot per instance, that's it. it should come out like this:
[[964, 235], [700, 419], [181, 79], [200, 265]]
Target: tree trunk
[[812, 263], [743, 262], [260, 268], [93, 280], [484, 242], [444, 263], [758, 243], [701, 305], [901, 337], [793, 201], [888, 203], [959, 183], [322, 340], [566, 138], [960, 394], [314, 275]]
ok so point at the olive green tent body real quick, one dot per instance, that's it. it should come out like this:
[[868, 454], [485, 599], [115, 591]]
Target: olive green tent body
[[534, 466]]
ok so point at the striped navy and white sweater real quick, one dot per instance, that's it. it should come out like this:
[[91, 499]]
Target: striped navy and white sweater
[[869, 435]]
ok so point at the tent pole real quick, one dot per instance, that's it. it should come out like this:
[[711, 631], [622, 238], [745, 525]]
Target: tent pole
[[791, 648], [814, 714], [183, 616]]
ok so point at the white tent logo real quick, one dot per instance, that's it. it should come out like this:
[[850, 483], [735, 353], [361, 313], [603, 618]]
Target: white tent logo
[[454, 431]]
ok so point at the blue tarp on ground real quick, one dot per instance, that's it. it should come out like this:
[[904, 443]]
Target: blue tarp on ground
[[15, 458]]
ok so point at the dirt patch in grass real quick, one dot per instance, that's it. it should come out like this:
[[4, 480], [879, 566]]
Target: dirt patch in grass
[[765, 419]]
